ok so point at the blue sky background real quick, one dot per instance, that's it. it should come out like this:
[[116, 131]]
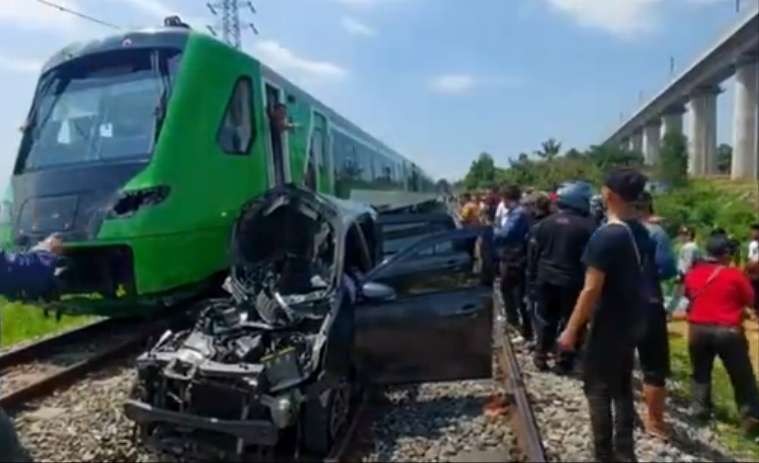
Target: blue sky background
[[439, 80]]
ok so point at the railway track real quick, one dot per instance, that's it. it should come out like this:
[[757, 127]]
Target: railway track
[[520, 414], [523, 419], [38, 369]]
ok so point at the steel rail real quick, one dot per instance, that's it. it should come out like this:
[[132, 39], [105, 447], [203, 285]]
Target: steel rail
[[523, 419], [59, 379], [51, 344]]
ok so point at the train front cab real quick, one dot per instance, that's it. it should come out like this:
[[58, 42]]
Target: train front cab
[[140, 150]]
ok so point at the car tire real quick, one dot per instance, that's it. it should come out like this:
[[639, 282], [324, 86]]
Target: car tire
[[325, 418]]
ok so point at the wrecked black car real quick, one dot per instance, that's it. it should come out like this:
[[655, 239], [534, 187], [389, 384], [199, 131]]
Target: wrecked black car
[[318, 310]]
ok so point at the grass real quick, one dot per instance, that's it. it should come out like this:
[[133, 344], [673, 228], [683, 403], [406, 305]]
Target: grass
[[727, 424], [21, 322]]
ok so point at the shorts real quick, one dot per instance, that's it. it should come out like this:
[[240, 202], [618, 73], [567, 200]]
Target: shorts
[[653, 348]]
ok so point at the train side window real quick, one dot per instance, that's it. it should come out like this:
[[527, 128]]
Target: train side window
[[236, 133]]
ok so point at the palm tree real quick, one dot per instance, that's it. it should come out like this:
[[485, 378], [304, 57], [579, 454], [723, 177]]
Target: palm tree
[[549, 149]]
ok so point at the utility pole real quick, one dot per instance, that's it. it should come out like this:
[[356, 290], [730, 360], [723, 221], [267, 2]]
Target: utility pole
[[231, 25]]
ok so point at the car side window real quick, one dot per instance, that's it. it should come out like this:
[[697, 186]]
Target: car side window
[[439, 265], [236, 133], [398, 236]]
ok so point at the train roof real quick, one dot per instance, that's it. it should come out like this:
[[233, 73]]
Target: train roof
[[176, 37], [168, 37]]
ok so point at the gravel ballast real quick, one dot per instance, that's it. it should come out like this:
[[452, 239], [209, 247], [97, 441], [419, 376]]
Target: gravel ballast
[[84, 423], [562, 413], [440, 422]]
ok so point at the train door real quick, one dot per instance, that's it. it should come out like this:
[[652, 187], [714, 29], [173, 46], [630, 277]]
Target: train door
[[278, 146], [318, 163]]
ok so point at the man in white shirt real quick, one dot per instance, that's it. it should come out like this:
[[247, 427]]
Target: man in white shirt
[[689, 252], [500, 213], [753, 246]]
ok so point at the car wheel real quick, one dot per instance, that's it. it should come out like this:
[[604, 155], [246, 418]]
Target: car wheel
[[324, 418]]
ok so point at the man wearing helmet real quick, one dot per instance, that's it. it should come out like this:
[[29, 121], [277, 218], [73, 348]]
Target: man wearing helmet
[[556, 271]]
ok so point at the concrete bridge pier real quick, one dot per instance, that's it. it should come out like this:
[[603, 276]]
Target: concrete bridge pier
[[672, 120], [745, 117], [702, 156], [652, 142], [636, 141]]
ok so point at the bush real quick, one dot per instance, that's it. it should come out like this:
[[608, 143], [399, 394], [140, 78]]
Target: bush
[[703, 206]]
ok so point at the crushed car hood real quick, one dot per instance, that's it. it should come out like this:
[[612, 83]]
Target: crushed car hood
[[287, 257]]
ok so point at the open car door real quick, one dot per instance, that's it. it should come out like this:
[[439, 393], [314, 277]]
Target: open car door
[[426, 314]]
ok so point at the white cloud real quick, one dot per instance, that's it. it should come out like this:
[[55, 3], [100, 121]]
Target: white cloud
[[20, 65], [287, 62], [356, 27], [453, 83], [623, 18]]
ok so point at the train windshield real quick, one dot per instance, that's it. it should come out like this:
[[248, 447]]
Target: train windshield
[[99, 108]]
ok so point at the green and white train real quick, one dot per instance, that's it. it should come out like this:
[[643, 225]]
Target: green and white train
[[141, 148]]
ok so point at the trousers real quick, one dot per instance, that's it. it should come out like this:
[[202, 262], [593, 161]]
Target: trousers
[[513, 290], [612, 417], [705, 342], [552, 311]]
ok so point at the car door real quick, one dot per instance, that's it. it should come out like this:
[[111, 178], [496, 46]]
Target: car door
[[402, 230], [439, 324]]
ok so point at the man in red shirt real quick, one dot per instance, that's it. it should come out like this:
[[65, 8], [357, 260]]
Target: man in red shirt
[[719, 295]]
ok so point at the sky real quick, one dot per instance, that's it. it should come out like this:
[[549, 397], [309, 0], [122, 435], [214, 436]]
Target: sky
[[438, 80]]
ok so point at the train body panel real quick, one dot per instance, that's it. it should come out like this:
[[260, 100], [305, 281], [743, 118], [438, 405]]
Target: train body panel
[[159, 218]]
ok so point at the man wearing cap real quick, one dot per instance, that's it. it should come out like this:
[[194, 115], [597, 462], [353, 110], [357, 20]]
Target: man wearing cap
[[719, 295], [555, 268], [612, 297]]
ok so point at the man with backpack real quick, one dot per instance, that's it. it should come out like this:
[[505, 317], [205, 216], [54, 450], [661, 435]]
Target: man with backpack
[[618, 258]]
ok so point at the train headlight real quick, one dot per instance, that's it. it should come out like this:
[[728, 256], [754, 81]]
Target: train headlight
[[132, 201]]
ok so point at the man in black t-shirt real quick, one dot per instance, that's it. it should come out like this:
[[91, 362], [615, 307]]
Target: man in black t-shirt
[[555, 269], [616, 258]]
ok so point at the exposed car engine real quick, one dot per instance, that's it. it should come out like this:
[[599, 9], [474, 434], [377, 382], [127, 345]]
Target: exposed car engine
[[235, 379]]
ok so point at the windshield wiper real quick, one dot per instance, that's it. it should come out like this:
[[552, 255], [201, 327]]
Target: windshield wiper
[[34, 121]]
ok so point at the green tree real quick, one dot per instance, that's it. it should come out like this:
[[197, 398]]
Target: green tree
[[549, 149], [482, 173], [724, 158], [605, 157], [673, 160], [573, 154]]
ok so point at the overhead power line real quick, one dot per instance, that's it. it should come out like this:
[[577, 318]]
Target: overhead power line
[[78, 14]]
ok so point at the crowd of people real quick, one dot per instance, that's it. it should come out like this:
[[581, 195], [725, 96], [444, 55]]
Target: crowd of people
[[582, 278]]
